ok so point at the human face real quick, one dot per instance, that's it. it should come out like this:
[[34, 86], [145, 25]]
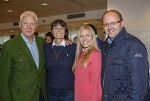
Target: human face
[[58, 32], [48, 39], [85, 38], [112, 24], [28, 26]]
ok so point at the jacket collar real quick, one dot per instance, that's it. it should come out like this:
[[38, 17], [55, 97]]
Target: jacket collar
[[122, 34]]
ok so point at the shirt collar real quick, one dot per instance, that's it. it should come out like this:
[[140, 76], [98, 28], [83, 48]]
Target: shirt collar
[[109, 40], [25, 39], [63, 43]]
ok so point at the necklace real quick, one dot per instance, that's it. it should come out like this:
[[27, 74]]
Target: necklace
[[56, 54]]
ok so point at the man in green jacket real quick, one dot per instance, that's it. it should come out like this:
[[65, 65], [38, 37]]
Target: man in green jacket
[[22, 70]]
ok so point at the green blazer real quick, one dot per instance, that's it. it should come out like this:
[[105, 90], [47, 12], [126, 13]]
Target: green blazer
[[20, 79]]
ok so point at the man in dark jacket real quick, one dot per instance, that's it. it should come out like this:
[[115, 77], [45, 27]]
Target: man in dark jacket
[[125, 65]]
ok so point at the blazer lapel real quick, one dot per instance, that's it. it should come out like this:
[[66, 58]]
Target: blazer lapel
[[24, 47], [40, 49]]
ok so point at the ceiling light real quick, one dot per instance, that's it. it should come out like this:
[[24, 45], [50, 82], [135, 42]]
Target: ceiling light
[[10, 11], [7, 0], [44, 4]]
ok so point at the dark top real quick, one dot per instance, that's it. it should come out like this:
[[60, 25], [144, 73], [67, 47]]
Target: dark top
[[99, 41], [103, 47], [59, 72]]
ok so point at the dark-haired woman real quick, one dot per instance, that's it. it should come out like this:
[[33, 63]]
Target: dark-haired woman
[[59, 61]]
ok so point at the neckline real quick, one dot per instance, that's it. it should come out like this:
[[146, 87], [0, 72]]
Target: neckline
[[57, 53]]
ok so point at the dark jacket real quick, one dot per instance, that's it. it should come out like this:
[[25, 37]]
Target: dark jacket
[[125, 74], [103, 47]]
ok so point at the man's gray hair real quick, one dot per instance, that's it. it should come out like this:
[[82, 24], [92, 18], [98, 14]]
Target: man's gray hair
[[28, 13]]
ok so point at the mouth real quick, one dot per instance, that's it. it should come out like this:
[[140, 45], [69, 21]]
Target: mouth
[[29, 31], [85, 42], [58, 34], [111, 30]]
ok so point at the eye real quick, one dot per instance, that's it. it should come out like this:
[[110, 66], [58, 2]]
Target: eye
[[32, 23], [88, 35], [25, 23], [81, 36], [54, 27], [113, 23], [62, 28], [105, 24]]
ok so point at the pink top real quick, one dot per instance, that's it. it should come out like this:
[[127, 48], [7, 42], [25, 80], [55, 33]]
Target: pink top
[[88, 80]]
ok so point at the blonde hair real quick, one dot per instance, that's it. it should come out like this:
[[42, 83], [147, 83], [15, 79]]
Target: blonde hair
[[79, 48], [28, 13]]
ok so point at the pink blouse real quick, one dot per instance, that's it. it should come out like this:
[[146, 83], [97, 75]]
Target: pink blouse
[[88, 80]]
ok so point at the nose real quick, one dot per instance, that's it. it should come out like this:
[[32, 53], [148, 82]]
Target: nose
[[29, 26], [84, 38], [109, 26], [58, 29]]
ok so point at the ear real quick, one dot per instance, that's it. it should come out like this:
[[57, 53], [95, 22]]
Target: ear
[[37, 25], [122, 23]]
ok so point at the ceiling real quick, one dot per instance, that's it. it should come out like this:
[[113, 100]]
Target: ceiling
[[54, 7]]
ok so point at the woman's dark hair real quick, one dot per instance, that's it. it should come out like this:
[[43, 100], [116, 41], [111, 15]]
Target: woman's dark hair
[[63, 24], [93, 27]]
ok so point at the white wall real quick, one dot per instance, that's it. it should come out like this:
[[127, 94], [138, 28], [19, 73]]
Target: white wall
[[136, 14], [96, 14]]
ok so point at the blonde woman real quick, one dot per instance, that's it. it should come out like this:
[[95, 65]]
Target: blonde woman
[[87, 67]]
